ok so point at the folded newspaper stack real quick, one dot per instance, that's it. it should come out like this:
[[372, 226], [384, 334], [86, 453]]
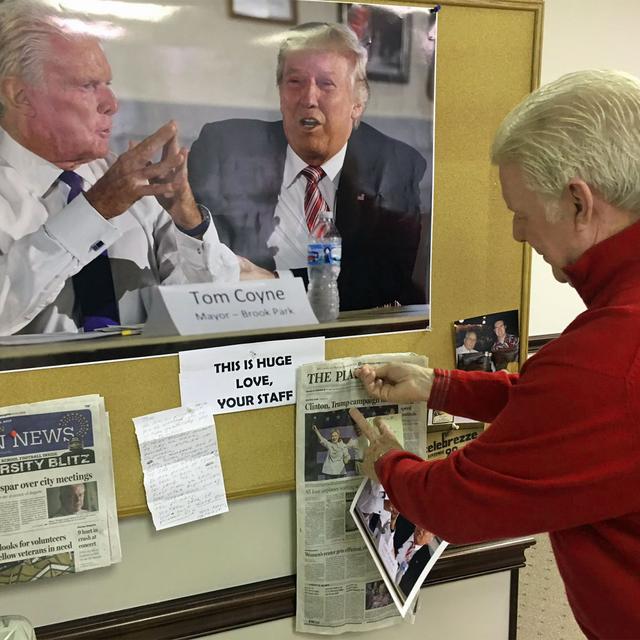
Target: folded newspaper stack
[[57, 494], [344, 583]]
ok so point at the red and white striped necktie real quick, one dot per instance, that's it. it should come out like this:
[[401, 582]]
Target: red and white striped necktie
[[314, 203]]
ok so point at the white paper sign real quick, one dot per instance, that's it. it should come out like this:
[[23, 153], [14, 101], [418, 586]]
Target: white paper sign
[[189, 309], [181, 464], [246, 376]]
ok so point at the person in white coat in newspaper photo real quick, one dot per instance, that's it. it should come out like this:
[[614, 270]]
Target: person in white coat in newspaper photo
[[334, 465]]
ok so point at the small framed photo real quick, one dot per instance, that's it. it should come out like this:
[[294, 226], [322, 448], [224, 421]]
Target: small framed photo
[[386, 32], [281, 11]]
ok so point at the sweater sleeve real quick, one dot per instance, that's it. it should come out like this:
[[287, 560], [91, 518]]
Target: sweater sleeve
[[558, 455], [473, 394]]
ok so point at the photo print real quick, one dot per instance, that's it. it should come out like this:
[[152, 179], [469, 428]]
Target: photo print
[[223, 98], [488, 343], [334, 445], [404, 552]]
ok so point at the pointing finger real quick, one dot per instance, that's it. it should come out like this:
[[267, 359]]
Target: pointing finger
[[361, 421], [381, 425]]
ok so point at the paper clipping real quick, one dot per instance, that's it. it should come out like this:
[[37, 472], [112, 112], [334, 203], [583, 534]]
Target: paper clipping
[[57, 495], [447, 433], [246, 376], [181, 464], [339, 586]]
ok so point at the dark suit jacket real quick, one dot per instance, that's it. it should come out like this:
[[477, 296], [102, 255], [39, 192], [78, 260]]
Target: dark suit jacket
[[403, 531], [415, 568], [236, 168]]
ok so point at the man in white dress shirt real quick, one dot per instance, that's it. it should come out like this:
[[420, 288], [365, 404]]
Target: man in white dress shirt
[[66, 202], [71, 498], [468, 344]]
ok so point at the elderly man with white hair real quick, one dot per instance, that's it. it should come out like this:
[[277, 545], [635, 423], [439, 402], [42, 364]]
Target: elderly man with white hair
[[562, 453], [81, 230]]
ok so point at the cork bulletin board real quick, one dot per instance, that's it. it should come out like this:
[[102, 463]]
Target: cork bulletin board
[[487, 60]]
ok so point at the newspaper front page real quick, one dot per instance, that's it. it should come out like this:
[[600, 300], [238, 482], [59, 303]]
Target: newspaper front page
[[339, 587], [57, 495]]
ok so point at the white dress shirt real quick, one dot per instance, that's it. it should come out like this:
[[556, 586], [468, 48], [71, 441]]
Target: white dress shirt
[[44, 241], [462, 349], [291, 235]]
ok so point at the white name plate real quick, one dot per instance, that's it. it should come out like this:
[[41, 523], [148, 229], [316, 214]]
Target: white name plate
[[188, 309]]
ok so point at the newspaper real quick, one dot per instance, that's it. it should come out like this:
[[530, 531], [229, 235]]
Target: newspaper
[[57, 495], [336, 574]]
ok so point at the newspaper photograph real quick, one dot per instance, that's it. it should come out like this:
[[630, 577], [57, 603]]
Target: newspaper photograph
[[403, 552], [57, 494], [339, 586]]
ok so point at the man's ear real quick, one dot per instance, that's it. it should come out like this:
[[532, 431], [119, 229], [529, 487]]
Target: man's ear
[[14, 95], [357, 110], [581, 201]]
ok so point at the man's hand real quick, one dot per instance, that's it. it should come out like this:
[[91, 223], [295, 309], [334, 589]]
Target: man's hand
[[397, 382], [250, 271], [381, 440], [134, 175], [178, 200]]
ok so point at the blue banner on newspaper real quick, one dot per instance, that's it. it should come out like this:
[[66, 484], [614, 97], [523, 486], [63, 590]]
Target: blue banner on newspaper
[[33, 434]]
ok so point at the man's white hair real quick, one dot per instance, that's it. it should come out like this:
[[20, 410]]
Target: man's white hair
[[26, 29], [313, 36], [584, 125]]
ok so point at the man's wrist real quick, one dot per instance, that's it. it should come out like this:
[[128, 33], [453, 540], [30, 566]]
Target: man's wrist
[[200, 229], [432, 380], [382, 454]]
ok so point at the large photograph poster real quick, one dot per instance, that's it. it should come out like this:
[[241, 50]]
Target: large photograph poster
[[214, 72]]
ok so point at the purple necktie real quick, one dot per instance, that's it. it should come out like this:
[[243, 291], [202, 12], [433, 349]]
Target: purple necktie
[[93, 284]]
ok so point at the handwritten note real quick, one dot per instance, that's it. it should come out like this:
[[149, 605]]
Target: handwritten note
[[181, 464]]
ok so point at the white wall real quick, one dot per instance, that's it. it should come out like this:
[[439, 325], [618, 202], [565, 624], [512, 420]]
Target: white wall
[[579, 34], [474, 609], [254, 541]]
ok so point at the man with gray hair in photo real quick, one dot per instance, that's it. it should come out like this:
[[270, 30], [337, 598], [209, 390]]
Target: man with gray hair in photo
[[562, 453], [265, 182], [81, 230], [71, 498]]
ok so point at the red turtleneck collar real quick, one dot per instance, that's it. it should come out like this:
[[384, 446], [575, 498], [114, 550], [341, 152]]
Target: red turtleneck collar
[[611, 260]]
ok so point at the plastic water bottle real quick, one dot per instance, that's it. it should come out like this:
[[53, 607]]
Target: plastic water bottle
[[323, 266]]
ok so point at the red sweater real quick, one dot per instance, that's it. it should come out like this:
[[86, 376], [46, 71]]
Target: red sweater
[[562, 453]]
